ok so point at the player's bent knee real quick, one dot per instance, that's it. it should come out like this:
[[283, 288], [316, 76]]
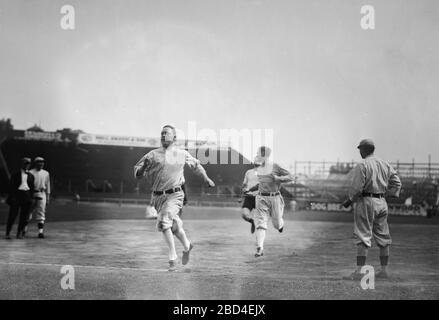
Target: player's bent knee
[[162, 227], [176, 226]]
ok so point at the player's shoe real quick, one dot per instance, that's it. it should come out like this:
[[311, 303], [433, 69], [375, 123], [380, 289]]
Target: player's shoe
[[172, 265], [185, 258], [354, 276], [7, 237], [41, 236], [253, 227], [382, 274], [259, 252], [281, 229], [20, 236]]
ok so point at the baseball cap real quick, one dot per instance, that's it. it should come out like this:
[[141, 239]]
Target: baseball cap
[[366, 142], [39, 159], [25, 160]]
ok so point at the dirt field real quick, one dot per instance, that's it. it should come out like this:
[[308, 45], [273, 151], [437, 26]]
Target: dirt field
[[119, 256]]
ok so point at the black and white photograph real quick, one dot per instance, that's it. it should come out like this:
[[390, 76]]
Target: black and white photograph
[[231, 151]]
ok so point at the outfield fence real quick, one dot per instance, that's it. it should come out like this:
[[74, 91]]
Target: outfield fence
[[326, 168]]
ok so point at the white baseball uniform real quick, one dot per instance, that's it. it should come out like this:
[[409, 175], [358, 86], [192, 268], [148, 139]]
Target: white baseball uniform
[[371, 180], [269, 205], [165, 167], [42, 192]]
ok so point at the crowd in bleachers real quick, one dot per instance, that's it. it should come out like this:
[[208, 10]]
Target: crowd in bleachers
[[341, 168]]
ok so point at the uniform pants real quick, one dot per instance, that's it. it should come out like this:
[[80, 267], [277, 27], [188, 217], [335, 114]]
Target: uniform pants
[[39, 208], [370, 221], [168, 206], [269, 206]]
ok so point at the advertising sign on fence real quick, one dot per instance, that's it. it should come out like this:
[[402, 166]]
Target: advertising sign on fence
[[394, 209], [327, 206]]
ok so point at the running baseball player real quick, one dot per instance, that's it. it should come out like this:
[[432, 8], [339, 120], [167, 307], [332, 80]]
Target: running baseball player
[[164, 167], [249, 203], [41, 196], [372, 180], [269, 201]]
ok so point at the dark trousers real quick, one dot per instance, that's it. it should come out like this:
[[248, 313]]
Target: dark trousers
[[21, 203]]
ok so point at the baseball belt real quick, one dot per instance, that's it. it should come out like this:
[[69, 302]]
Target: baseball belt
[[169, 191], [373, 195], [269, 194]]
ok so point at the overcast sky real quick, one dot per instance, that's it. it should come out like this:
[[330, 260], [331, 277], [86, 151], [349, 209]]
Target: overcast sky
[[302, 68]]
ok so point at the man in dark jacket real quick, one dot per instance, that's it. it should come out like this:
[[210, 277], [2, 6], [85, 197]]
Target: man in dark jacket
[[21, 189]]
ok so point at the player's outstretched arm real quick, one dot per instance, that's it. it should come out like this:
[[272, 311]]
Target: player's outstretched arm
[[282, 175], [284, 179], [142, 166], [195, 165], [202, 172]]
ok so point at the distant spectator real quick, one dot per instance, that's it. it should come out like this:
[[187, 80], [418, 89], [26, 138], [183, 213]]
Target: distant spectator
[[436, 189], [21, 189], [433, 211]]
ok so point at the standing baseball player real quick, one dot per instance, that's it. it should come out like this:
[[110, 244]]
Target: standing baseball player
[[249, 204], [372, 180], [164, 166], [269, 201], [41, 195]]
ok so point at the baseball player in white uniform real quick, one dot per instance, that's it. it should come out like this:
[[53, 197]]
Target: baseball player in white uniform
[[249, 203], [164, 166], [372, 180], [41, 195], [269, 201]]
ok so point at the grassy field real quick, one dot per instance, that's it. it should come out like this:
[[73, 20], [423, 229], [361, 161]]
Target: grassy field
[[117, 254]]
